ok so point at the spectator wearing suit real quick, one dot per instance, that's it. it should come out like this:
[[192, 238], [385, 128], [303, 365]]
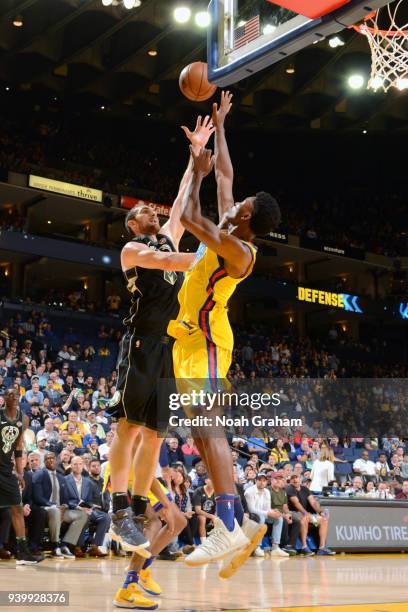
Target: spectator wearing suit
[[50, 493], [34, 516], [174, 450], [81, 493]]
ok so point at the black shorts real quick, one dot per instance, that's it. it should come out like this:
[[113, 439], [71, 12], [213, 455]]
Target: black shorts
[[145, 379], [9, 490]]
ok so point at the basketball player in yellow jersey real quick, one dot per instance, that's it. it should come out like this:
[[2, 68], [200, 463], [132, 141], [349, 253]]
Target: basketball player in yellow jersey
[[204, 339]]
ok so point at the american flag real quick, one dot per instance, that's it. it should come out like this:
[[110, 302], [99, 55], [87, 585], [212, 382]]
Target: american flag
[[247, 32]]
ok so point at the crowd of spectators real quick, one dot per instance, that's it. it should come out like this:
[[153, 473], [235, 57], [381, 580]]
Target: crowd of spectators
[[278, 472], [350, 217]]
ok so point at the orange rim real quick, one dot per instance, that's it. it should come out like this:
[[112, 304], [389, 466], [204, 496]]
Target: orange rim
[[385, 33]]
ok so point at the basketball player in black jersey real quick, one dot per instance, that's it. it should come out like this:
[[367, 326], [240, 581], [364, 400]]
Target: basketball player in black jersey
[[153, 270], [12, 425]]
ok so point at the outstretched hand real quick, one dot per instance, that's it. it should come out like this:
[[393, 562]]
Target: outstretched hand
[[220, 112], [202, 132], [203, 161]]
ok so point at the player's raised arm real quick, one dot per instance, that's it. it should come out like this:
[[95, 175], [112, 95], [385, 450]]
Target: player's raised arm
[[137, 254], [237, 257], [224, 173], [198, 138]]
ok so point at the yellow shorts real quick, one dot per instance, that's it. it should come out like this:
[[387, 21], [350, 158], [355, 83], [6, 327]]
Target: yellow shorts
[[154, 502], [195, 357]]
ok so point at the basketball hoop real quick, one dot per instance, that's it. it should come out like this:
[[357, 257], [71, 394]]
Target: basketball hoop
[[389, 48]]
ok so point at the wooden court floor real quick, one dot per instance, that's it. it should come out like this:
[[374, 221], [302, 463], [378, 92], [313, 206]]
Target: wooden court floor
[[361, 583]]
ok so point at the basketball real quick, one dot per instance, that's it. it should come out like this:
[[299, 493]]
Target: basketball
[[194, 82]]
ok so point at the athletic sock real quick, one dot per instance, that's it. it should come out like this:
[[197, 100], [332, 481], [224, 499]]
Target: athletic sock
[[119, 501], [131, 576], [225, 509], [238, 510], [139, 504], [148, 562]]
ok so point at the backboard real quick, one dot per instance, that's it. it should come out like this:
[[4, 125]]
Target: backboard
[[246, 36]]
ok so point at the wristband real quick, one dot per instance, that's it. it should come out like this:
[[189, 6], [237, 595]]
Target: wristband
[[18, 454]]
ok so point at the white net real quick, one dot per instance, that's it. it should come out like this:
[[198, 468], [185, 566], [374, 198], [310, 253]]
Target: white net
[[389, 48]]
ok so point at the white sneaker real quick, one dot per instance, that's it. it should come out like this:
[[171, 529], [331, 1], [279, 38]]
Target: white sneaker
[[66, 553], [254, 532], [57, 554], [219, 544], [278, 552], [258, 552]]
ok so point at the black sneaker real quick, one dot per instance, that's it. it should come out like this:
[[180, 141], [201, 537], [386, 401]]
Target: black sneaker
[[306, 552], [24, 556], [290, 550], [128, 531]]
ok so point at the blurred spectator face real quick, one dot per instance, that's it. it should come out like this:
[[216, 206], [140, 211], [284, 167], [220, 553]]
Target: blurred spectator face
[[36, 387], [364, 455], [295, 481], [272, 460], [109, 437], [382, 458], [89, 380], [95, 468], [177, 477], [250, 474], [298, 469], [34, 461], [335, 441], [70, 446], [73, 416], [200, 469], [69, 379], [49, 425], [93, 446], [173, 444], [287, 471], [261, 482], [369, 486], [400, 452], [50, 461], [405, 487], [357, 482], [77, 465], [113, 426], [91, 416], [395, 460], [71, 428], [65, 456], [406, 458], [234, 456], [279, 443]]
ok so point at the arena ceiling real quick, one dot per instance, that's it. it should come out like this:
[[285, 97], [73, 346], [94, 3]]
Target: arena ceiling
[[80, 53]]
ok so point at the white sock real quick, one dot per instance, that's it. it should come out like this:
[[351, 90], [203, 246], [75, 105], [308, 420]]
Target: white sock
[[202, 540]]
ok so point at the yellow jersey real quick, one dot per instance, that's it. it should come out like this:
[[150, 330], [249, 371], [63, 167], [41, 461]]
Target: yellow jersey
[[204, 296]]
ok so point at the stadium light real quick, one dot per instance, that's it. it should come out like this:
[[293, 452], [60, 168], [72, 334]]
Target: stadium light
[[402, 84], [268, 29], [202, 19], [129, 4], [182, 14], [152, 52], [106, 2], [356, 81], [376, 83], [18, 21], [336, 42]]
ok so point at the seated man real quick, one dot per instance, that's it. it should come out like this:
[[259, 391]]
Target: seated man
[[204, 507], [80, 493], [357, 489], [50, 493], [34, 516], [306, 505], [292, 524], [259, 502]]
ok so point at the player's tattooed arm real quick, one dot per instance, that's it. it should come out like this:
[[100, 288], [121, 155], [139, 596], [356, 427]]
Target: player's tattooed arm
[[198, 139], [237, 257], [224, 172], [137, 254]]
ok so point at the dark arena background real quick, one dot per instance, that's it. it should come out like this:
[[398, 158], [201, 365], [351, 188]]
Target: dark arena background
[[91, 112]]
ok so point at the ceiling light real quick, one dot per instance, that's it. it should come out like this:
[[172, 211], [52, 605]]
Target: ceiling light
[[182, 14], [290, 69], [129, 4], [376, 83], [268, 29], [152, 52], [18, 21], [49, 222], [402, 84], [102, 108], [336, 42], [106, 2], [356, 81], [7, 88], [364, 131], [202, 19]]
